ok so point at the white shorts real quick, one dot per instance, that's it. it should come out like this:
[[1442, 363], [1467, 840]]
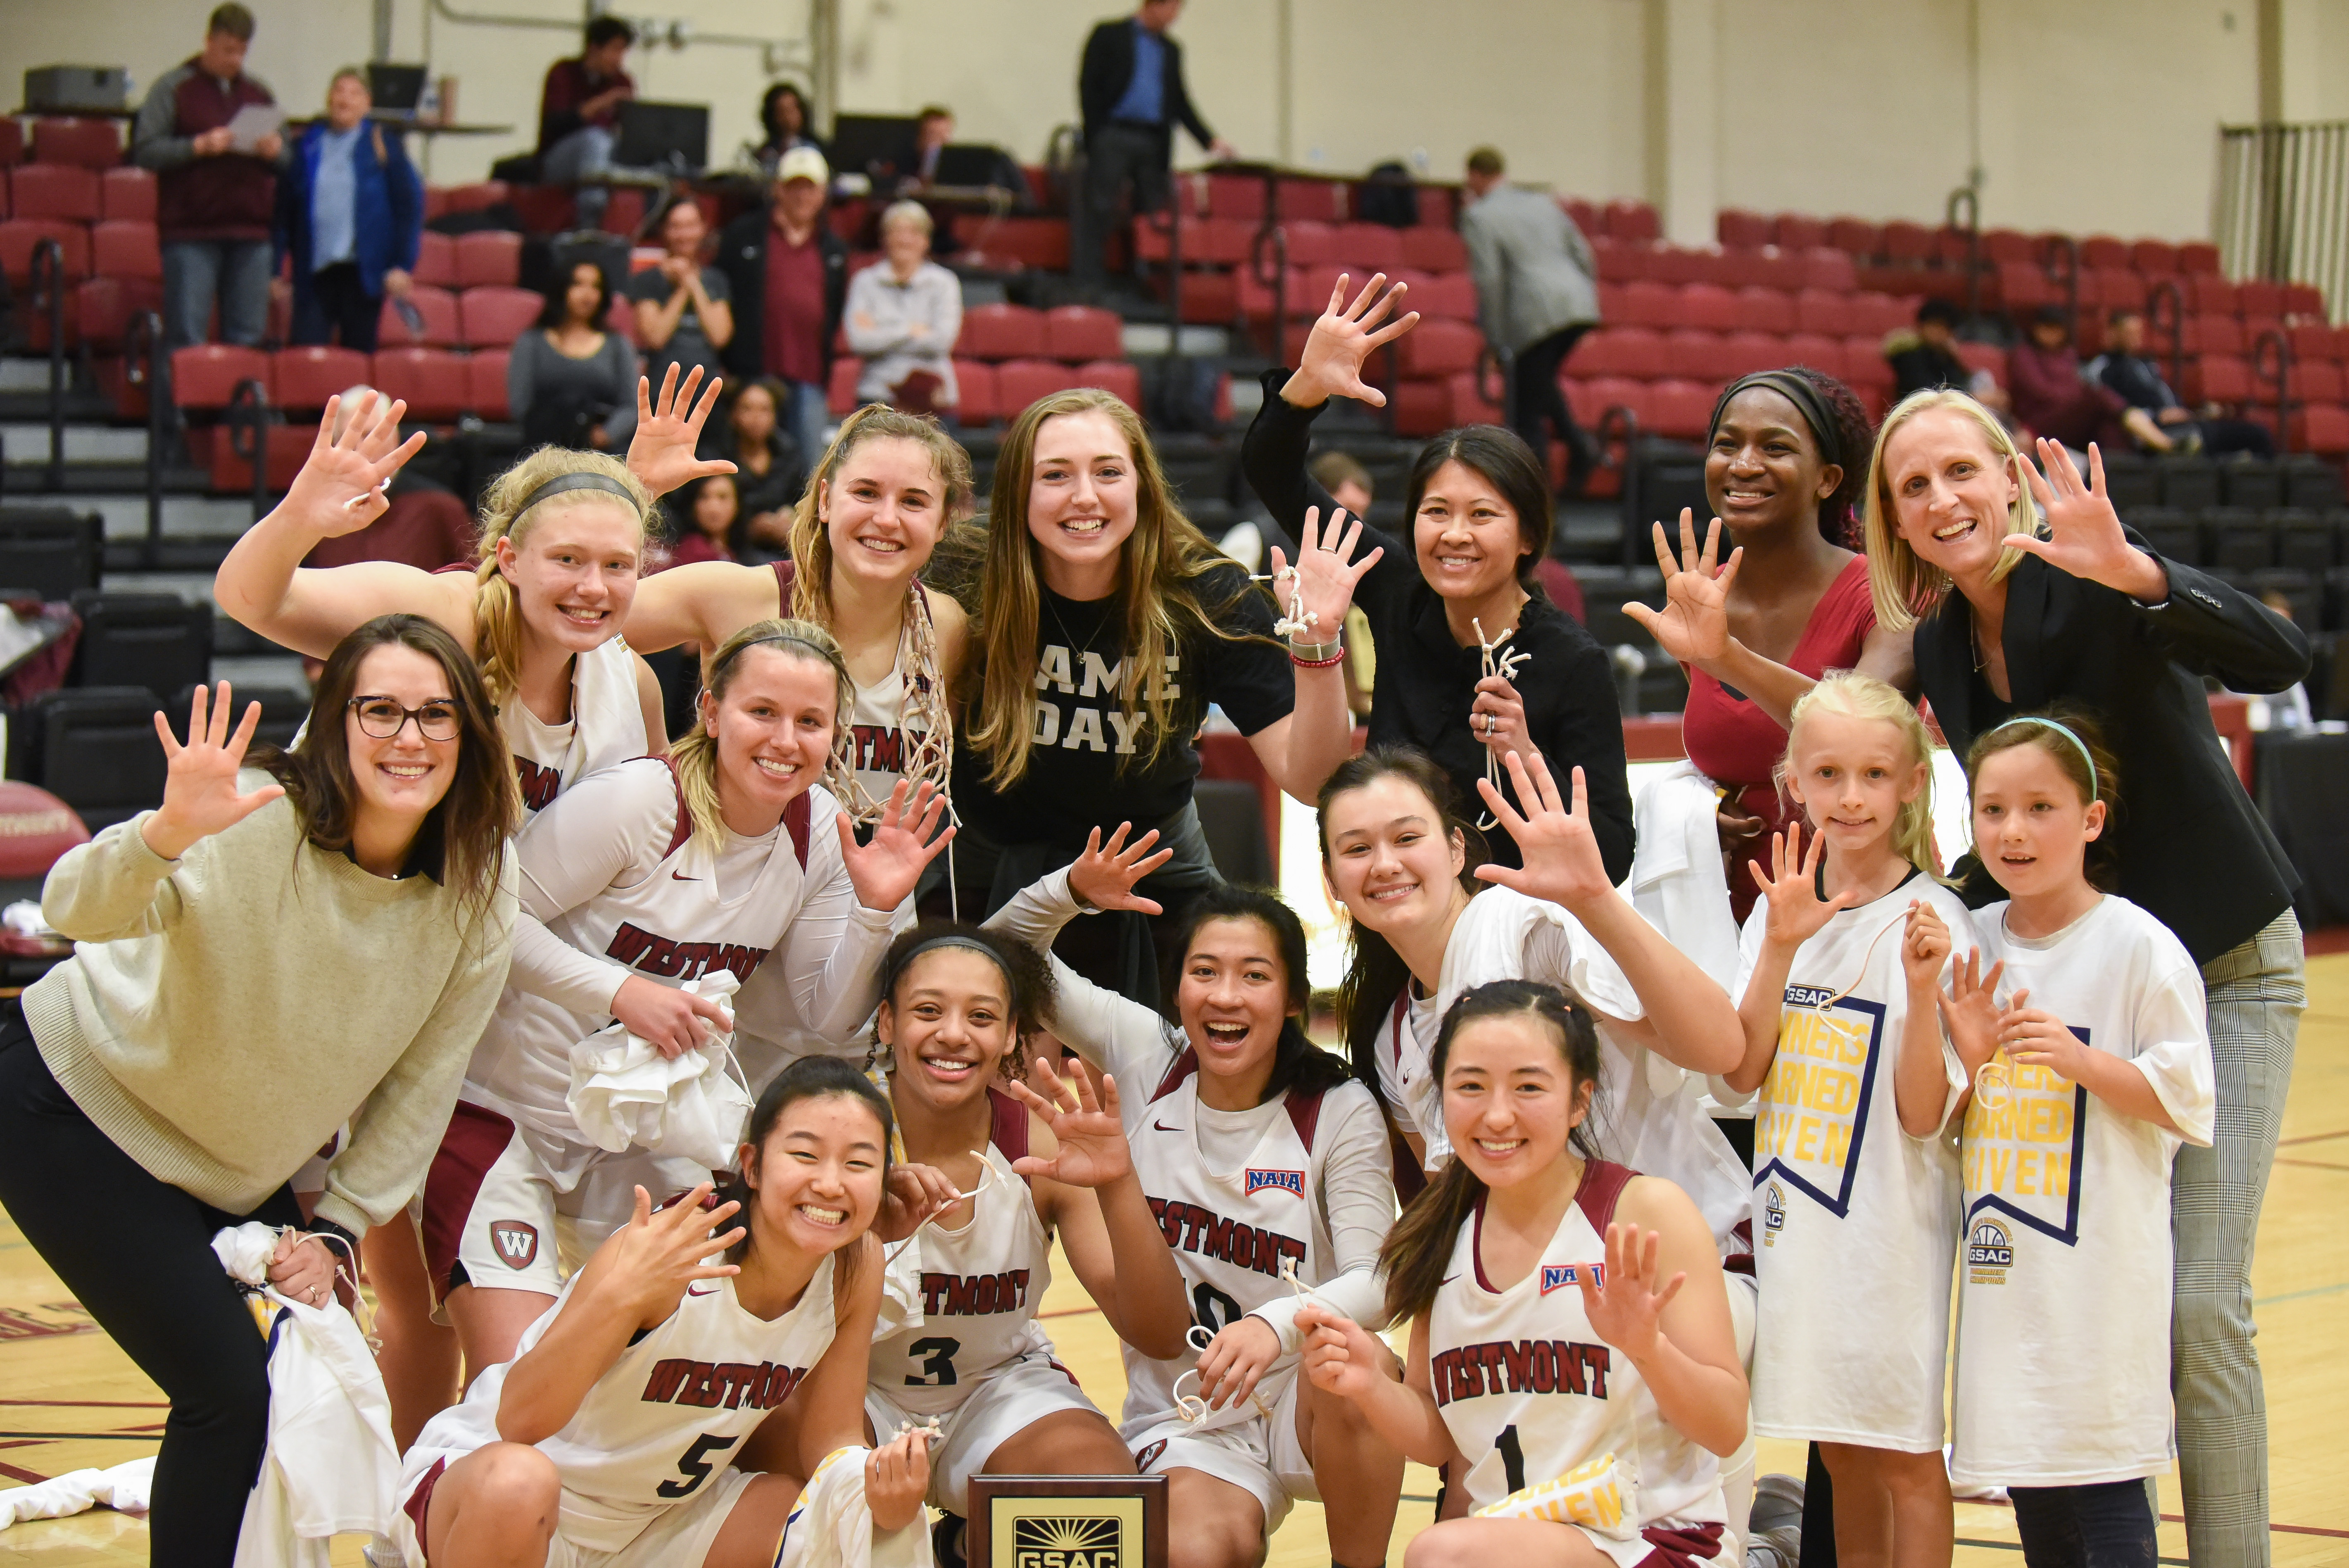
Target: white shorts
[[492, 1213], [1262, 1456], [1000, 1406], [677, 1537]]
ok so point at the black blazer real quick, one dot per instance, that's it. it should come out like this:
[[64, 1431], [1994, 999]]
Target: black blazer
[[2193, 849], [1108, 67], [743, 257]]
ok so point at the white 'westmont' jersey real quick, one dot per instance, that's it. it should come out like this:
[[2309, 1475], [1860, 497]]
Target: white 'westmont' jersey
[[1530, 1391], [1856, 1221], [980, 1284], [1230, 1230], [2064, 1303], [663, 1417], [607, 726]]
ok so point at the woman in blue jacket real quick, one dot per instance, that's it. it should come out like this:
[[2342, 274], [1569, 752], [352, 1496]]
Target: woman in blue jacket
[[351, 212]]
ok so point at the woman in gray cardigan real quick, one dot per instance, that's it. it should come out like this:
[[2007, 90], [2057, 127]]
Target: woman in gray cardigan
[[569, 382]]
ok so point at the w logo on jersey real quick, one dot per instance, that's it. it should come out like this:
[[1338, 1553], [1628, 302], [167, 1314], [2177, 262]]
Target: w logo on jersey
[[1557, 1277], [1292, 1182], [516, 1242]]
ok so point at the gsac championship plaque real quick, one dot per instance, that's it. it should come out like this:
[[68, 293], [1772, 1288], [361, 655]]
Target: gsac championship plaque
[[1067, 1522]]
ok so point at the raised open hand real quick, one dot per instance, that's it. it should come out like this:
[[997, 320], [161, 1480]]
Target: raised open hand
[[340, 487], [1094, 1151], [1105, 875], [200, 793], [1626, 1301], [651, 1261], [1343, 338], [2085, 537], [1694, 624], [669, 429], [905, 841], [1561, 852], [1969, 1011], [1798, 913], [1326, 572]]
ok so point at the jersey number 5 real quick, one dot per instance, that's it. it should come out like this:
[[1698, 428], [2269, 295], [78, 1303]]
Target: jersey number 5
[[938, 1363], [695, 1466]]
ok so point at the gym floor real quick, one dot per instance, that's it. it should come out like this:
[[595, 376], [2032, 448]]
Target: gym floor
[[69, 1399]]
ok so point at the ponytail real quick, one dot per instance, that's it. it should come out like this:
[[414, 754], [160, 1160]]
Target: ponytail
[[497, 619], [694, 756]]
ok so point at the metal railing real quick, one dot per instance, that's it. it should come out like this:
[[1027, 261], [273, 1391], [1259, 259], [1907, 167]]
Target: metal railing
[[2282, 208], [1970, 199]]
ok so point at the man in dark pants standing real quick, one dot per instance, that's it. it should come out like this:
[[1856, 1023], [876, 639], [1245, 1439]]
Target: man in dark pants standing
[[1537, 294], [1130, 91]]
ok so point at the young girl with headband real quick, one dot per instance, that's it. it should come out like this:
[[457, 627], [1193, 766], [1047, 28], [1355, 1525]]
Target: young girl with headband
[[1571, 1351], [2081, 1026], [610, 1436], [728, 855], [1269, 1175], [1855, 1178], [957, 1006]]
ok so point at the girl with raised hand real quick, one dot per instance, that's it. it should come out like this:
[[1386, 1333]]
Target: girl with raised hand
[[959, 1006], [1108, 625], [1480, 517], [1855, 1177], [1571, 1351], [2089, 1067], [1270, 1176], [729, 854], [170, 1077], [611, 1434]]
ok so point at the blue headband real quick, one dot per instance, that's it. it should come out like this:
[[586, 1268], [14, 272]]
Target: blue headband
[[2078, 745]]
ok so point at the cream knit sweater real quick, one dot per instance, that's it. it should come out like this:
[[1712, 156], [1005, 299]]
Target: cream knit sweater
[[225, 1013]]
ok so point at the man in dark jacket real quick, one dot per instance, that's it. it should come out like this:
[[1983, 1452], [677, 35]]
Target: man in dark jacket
[[788, 273], [579, 115], [2124, 367], [1131, 93], [214, 201], [351, 215]]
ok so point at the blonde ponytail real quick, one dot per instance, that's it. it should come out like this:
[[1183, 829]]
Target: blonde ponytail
[[497, 618], [695, 756]]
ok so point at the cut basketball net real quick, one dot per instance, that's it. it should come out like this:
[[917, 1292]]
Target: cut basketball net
[[1505, 665], [1299, 620]]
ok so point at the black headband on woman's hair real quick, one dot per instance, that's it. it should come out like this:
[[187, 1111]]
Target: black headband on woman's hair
[[579, 482], [950, 938], [1797, 390]]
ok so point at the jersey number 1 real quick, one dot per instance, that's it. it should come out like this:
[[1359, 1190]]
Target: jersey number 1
[[1513, 1458], [695, 1466]]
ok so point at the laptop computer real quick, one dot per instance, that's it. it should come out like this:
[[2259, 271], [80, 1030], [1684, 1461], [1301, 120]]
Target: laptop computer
[[397, 89], [672, 138], [966, 163]]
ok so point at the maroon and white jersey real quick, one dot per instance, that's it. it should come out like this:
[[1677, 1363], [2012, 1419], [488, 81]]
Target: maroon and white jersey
[[607, 726], [669, 1413]]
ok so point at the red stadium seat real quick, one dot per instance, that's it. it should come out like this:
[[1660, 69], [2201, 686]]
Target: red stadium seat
[[1370, 247], [1117, 377], [841, 394], [1671, 264], [1438, 207], [1039, 243], [439, 309], [1434, 250], [1681, 409], [2321, 429], [1153, 240], [1863, 363], [2004, 245], [1465, 393], [101, 310], [1647, 303], [1211, 298], [1765, 309], [2217, 378], [492, 317], [1780, 270], [475, 198], [1437, 348], [1797, 232], [1083, 331], [1734, 226], [2103, 250], [1693, 354], [1631, 352], [2023, 285], [485, 382], [84, 143], [1817, 350], [1884, 312], [491, 256], [974, 380], [2195, 257], [2259, 297], [19, 237], [2313, 380], [1311, 243], [307, 379], [64, 191], [1446, 296], [1628, 220], [1310, 294], [1316, 200], [1223, 241], [1618, 262], [2212, 295], [1979, 356], [2117, 288], [2155, 258], [436, 260], [2304, 301], [1001, 332], [2217, 335], [127, 195], [1706, 306], [1743, 353], [1235, 196], [1855, 236], [12, 142], [125, 250], [2311, 340], [1820, 311], [207, 374], [1019, 382], [1907, 243], [433, 381]]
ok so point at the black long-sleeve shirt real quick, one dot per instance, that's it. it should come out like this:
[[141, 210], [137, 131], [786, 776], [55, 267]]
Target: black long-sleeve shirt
[[1426, 681]]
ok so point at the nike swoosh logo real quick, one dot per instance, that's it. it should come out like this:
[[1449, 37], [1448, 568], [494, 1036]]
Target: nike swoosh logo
[[1161, 1127], [680, 876], [1447, 1279], [712, 1291]]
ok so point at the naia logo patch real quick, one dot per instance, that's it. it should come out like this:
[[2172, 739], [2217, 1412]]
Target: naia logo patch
[[517, 1243], [1291, 1181], [1557, 1277]]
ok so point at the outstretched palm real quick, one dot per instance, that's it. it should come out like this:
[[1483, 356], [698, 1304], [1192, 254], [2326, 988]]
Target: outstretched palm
[[340, 487], [884, 869], [200, 793], [1798, 913], [1563, 862], [2085, 538], [1694, 624], [1094, 1151], [669, 430], [1345, 335], [1326, 572]]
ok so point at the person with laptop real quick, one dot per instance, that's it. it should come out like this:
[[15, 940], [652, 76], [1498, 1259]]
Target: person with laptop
[[351, 213], [579, 115]]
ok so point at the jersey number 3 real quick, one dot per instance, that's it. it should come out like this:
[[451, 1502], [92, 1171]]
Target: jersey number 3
[[938, 1363], [695, 1466]]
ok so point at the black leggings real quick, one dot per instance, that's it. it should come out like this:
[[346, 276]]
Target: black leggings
[[1540, 400], [137, 1253], [2107, 1525]]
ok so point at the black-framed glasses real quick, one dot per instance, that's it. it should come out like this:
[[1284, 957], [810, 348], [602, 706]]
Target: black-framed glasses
[[384, 718]]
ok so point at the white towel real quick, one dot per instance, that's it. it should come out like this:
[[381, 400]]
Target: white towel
[[831, 1526], [625, 1094], [125, 1486]]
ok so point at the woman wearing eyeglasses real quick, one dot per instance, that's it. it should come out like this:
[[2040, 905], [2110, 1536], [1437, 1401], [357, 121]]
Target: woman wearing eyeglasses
[[169, 1078]]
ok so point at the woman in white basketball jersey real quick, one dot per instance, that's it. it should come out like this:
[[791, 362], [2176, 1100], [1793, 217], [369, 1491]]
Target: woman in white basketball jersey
[[726, 855], [1855, 1176], [1268, 1172], [958, 1004], [1570, 1340], [2086, 1078], [608, 1441]]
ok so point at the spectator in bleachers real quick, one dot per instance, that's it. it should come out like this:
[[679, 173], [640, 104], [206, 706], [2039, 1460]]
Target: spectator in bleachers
[[783, 113], [789, 275], [768, 472], [934, 131], [579, 115], [903, 316], [215, 202], [1131, 92], [2124, 367], [1537, 294], [684, 310], [351, 213], [571, 383], [2053, 399], [712, 512], [1926, 359]]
